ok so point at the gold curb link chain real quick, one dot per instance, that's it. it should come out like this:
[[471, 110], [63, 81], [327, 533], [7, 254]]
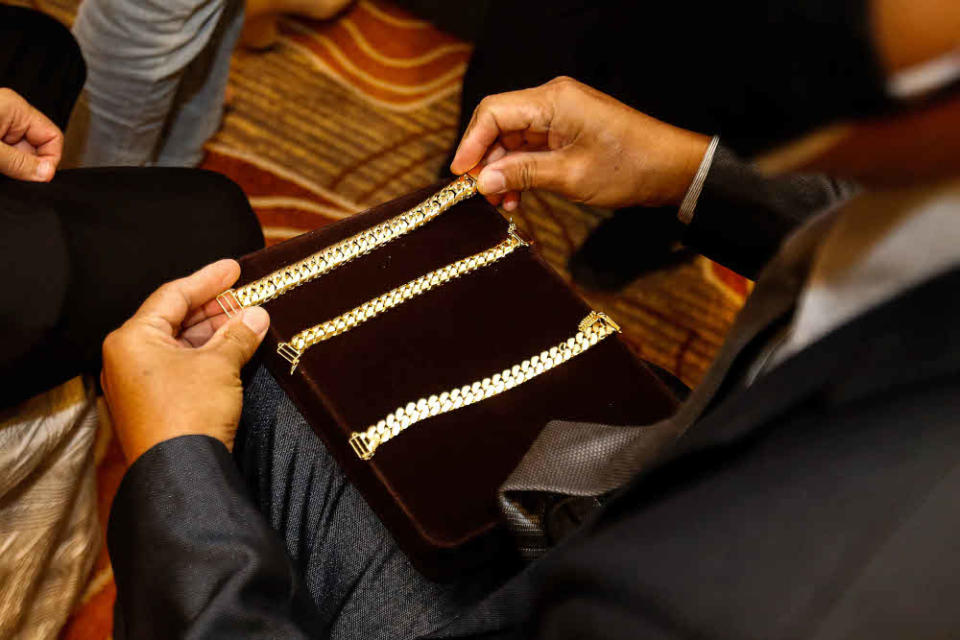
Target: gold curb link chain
[[292, 351], [336, 255], [592, 329]]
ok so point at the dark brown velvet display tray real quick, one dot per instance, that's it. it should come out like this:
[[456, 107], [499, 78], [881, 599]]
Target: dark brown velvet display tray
[[434, 486]]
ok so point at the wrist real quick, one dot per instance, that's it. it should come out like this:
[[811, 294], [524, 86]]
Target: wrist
[[137, 440], [665, 162], [692, 196], [683, 162]]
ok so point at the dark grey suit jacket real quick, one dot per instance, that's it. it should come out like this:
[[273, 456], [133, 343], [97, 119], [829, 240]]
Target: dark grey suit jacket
[[819, 502]]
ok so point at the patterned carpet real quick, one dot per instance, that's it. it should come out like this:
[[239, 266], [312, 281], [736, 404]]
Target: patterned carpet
[[342, 116]]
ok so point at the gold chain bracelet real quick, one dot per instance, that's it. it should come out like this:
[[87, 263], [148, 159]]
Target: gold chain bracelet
[[592, 329], [292, 350], [336, 255]]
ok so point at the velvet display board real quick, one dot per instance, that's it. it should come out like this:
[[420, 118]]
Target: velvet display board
[[434, 485]]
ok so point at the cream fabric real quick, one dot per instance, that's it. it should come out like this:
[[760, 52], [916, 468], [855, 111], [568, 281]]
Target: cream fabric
[[49, 533]]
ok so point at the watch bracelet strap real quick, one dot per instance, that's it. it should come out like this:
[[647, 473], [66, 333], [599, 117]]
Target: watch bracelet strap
[[293, 349], [326, 260], [689, 203], [592, 329]]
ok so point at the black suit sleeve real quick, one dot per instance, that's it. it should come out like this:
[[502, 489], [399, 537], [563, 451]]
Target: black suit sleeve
[[742, 216], [192, 556]]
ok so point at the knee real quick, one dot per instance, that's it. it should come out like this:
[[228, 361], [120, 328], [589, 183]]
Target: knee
[[224, 206], [197, 214]]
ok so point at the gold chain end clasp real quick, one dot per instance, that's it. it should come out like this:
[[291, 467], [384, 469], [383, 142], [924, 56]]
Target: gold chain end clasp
[[598, 316], [516, 235], [229, 303], [362, 446], [289, 353]]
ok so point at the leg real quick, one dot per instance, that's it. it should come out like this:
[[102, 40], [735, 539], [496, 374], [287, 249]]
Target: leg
[[364, 586], [41, 61], [198, 107], [137, 54], [126, 232]]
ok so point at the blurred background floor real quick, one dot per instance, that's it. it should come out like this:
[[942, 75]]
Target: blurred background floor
[[340, 116]]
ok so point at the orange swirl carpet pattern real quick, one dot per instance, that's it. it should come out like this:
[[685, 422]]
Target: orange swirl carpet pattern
[[343, 115]]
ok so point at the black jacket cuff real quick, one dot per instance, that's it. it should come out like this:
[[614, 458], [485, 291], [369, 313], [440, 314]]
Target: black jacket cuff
[[742, 217]]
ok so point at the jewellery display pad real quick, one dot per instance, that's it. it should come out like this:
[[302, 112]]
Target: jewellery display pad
[[435, 486]]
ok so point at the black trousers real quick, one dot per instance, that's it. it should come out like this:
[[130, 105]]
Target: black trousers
[[78, 255]]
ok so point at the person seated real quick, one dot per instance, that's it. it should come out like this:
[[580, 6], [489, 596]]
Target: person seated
[[807, 487], [79, 249], [86, 245]]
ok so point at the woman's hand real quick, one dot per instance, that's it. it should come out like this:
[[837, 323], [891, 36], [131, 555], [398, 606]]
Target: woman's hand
[[173, 369], [30, 145], [568, 138]]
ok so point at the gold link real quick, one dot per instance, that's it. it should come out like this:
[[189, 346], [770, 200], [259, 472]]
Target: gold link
[[291, 276], [365, 444], [395, 297]]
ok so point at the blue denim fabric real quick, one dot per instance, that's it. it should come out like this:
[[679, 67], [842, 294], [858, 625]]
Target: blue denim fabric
[[362, 583], [156, 76]]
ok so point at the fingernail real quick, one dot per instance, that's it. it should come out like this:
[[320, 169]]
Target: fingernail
[[256, 318], [509, 205], [491, 182], [44, 170]]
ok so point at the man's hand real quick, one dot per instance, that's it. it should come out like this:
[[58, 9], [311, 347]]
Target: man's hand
[[30, 145], [567, 138], [173, 369]]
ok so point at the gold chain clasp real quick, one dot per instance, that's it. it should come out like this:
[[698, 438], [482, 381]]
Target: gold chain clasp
[[598, 316], [289, 353], [229, 303], [515, 234], [362, 446]]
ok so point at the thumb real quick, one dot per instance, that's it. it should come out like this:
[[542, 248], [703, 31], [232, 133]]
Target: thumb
[[239, 338], [523, 170], [21, 165]]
